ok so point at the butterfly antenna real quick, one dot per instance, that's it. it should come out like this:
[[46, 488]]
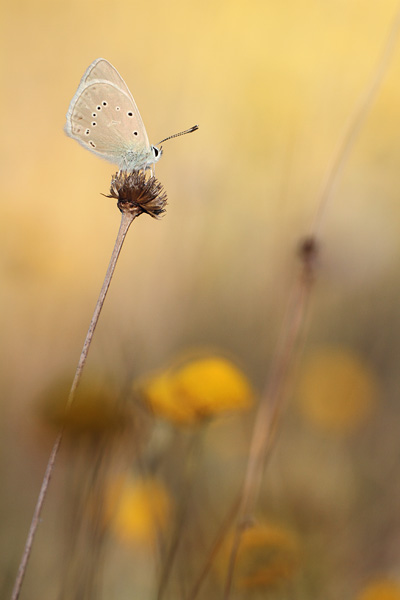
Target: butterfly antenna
[[194, 128]]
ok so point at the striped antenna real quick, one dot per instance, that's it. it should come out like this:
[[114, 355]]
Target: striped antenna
[[194, 128]]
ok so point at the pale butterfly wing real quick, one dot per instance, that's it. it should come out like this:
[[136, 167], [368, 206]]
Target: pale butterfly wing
[[104, 118], [103, 70]]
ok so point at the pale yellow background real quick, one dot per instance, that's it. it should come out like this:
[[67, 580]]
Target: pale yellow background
[[272, 85]]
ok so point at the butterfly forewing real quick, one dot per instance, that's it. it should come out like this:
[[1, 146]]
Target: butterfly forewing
[[102, 70], [104, 120]]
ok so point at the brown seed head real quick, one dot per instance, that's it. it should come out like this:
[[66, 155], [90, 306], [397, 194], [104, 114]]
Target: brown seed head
[[137, 193], [308, 252]]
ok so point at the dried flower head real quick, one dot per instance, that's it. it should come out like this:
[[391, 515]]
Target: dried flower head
[[137, 193], [94, 414]]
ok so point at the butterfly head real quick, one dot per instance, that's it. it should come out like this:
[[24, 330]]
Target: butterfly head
[[157, 152]]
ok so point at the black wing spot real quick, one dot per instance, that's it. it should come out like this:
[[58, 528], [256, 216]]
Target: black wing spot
[[129, 113], [104, 103], [94, 114], [94, 123], [87, 131], [117, 108], [135, 133], [92, 144], [98, 107]]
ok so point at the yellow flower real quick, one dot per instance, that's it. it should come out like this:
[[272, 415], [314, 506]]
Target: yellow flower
[[380, 589], [337, 390], [137, 511], [94, 412], [268, 556], [199, 390]]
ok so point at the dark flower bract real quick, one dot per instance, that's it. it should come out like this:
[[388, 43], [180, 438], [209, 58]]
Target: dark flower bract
[[137, 193]]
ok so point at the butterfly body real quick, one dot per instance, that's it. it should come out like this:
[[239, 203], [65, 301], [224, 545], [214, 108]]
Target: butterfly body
[[103, 118]]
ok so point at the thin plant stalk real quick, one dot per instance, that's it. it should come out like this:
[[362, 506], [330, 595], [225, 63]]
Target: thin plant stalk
[[270, 408], [186, 497], [356, 122], [126, 220], [216, 546], [272, 400]]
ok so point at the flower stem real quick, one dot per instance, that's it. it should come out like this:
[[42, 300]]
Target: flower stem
[[356, 122], [126, 220], [270, 409], [272, 400]]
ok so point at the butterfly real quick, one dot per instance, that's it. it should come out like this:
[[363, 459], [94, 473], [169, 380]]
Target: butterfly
[[103, 118]]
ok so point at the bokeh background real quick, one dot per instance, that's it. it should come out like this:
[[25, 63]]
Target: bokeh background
[[272, 86]]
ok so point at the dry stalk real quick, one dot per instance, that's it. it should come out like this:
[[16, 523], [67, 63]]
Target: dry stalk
[[272, 400], [136, 194]]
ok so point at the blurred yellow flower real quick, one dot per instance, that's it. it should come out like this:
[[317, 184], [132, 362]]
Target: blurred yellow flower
[[337, 390], [268, 556], [380, 589], [137, 511], [199, 390], [95, 410]]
